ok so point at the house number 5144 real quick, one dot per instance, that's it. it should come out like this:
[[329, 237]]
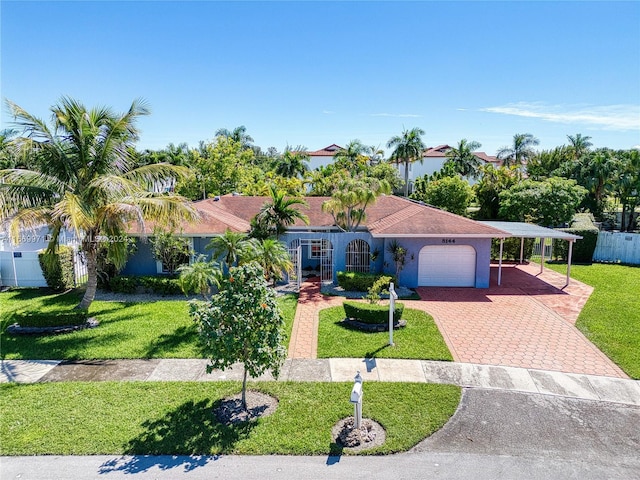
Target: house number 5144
[[448, 240]]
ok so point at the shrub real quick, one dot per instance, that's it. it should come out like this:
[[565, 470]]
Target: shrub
[[50, 319], [161, 285], [121, 284], [379, 286], [150, 284], [511, 248], [371, 313], [57, 268], [582, 225], [358, 282]]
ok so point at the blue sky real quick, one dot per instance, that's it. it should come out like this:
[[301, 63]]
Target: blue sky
[[316, 73]]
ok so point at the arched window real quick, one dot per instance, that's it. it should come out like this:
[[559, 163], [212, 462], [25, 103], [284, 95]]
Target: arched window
[[358, 256]]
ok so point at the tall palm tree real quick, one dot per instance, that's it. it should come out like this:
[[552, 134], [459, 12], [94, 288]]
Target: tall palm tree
[[84, 181], [520, 152], [463, 159], [280, 213], [239, 134], [579, 145], [408, 148], [228, 246], [293, 162]]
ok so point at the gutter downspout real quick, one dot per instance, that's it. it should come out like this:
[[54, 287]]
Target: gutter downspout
[[500, 262]]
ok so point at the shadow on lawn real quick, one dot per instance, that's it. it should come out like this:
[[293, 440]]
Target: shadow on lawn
[[168, 343], [184, 438]]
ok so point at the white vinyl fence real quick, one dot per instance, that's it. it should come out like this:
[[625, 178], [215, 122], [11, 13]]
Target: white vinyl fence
[[22, 269], [618, 247]]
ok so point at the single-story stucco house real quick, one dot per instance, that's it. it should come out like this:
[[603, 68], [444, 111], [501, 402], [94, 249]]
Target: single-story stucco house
[[443, 249]]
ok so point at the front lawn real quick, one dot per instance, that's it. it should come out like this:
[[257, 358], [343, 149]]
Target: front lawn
[[420, 339], [611, 317], [175, 418], [160, 329]]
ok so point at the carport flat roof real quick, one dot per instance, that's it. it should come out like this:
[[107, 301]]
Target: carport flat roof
[[529, 230]]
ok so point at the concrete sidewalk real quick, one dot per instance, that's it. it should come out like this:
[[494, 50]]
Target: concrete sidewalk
[[589, 387]]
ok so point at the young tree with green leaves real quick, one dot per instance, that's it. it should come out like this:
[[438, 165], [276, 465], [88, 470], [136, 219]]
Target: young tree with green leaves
[[398, 256], [200, 276], [550, 203], [84, 180], [452, 194], [492, 182], [242, 323], [230, 247], [170, 249]]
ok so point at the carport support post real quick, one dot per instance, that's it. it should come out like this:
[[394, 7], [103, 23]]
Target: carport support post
[[542, 242], [569, 262], [500, 262], [521, 250]]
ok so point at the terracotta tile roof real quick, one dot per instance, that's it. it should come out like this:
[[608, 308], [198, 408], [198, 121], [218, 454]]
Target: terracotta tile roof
[[389, 216], [328, 151], [487, 158]]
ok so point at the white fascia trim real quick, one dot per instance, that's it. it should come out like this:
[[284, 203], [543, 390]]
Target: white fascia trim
[[439, 235]]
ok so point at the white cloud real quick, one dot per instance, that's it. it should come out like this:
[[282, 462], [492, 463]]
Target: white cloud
[[400, 115], [328, 112], [607, 117]]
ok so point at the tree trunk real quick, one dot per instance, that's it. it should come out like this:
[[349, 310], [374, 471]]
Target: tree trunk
[[406, 178], [244, 390], [91, 252]]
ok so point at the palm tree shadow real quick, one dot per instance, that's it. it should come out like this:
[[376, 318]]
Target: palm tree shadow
[[184, 437]]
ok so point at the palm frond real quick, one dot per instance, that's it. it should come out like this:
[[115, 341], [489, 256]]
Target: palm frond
[[28, 219]]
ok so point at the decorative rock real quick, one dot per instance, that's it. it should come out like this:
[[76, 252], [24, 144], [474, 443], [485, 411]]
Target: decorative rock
[[370, 434]]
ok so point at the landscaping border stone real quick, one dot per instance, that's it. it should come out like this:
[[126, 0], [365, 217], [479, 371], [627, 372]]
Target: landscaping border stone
[[16, 329]]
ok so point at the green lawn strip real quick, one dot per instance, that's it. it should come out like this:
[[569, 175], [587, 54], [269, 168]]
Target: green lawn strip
[[161, 329], [419, 339], [611, 316], [175, 418]]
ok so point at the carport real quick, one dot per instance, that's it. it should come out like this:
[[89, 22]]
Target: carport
[[528, 230]]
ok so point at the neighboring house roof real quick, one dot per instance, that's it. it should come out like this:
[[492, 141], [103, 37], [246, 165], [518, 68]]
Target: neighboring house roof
[[328, 151], [441, 151], [390, 216]]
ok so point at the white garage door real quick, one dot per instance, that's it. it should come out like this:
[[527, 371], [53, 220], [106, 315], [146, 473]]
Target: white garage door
[[447, 266]]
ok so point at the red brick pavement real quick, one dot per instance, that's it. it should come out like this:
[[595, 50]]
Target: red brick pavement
[[527, 322]]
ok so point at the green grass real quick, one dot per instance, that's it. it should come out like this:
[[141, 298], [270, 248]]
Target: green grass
[[419, 339], [175, 418], [161, 329], [611, 316]]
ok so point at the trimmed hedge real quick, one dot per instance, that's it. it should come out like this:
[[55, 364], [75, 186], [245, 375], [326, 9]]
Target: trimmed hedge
[[357, 281], [583, 225], [57, 268], [50, 319], [371, 313], [148, 284]]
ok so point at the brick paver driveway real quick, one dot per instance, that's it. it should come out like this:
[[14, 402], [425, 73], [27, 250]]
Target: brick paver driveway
[[527, 322]]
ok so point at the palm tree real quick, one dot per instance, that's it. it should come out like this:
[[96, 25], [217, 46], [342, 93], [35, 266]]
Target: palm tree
[[353, 156], [84, 181], [463, 159], [520, 152], [239, 134], [228, 246], [272, 256], [279, 214], [579, 145], [293, 162], [200, 276], [408, 148]]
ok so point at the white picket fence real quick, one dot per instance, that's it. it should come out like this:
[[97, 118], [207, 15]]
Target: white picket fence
[[618, 247]]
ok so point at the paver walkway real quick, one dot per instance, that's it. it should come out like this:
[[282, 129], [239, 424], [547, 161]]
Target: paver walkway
[[527, 322], [304, 334]]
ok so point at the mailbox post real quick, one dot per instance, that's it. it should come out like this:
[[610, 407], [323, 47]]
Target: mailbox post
[[356, 399], [393, 296]]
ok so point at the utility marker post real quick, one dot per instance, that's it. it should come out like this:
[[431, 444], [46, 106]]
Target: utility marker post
[[393, 296], [356, 399]]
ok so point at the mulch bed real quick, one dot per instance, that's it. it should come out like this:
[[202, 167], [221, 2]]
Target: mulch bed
[[372, 327], [230, 411]]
